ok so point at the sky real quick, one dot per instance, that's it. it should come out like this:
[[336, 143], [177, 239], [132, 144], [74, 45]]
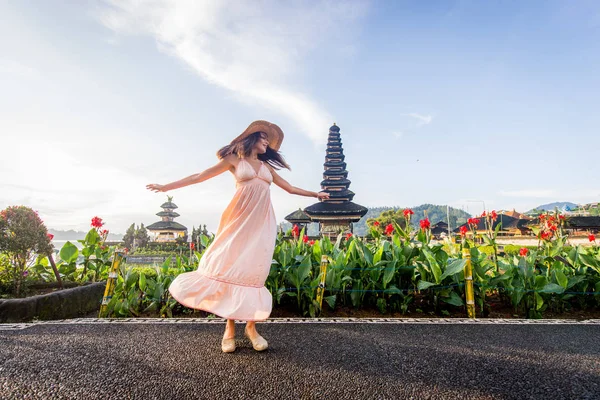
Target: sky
[[475, 104]]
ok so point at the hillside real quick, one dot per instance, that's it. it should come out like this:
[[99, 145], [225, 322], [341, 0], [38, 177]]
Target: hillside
[[551, 206], [77, 235], [435, 213]]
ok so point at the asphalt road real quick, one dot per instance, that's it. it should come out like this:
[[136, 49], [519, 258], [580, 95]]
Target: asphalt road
[[306, 361]]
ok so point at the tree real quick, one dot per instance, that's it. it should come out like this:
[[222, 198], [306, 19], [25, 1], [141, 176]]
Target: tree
[[22, 235], [141, 237], [129, 236]]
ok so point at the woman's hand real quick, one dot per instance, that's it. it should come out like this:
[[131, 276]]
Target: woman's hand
[[322, 195], [156, 187]]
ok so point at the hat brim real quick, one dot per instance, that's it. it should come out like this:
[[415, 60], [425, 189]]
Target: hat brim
[[273, 132]]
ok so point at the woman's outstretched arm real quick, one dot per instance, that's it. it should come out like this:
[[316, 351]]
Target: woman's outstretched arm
[[285, 185], [217, 169]]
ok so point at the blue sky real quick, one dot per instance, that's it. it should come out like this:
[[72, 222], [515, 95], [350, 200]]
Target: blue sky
[[446, 102]]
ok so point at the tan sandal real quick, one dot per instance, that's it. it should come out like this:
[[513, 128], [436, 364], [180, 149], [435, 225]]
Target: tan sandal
[[228, 345], [258, 343]]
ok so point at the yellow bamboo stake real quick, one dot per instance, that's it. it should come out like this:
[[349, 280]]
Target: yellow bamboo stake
[[110, 283], [321, 288], [469, 293]]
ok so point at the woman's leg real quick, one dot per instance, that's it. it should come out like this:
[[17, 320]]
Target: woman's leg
[[258, 342], [229, 329], [251, 329]]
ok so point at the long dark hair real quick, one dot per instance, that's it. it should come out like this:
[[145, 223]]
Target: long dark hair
[[243, 148]]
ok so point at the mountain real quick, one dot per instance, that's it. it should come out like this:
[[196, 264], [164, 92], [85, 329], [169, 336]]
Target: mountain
[[551, 206], [76, 235], [435, 213]]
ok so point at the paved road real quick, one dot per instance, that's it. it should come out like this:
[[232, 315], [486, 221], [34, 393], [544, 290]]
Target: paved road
[[306, 361]]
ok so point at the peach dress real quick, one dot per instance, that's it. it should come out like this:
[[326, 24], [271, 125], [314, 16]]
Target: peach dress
[[230, 280]]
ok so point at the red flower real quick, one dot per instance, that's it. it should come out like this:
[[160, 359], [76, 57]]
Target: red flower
[[376, 223], [553, 227], [312, 242], [591, 237], [348, 236], [389, 229], [425, 224], [407, 212], [50, 236], [463, 230], [523, 252], [295, 231], [483, 215], [494, 215], [561, 217], [546, 235], [551, 218], [192, 246], [542, 217], [104, 232], [97, 222], [125, 250], [473, 221], [305, 239]]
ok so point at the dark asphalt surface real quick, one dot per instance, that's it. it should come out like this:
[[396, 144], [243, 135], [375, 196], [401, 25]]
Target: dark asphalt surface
[[306, 361]]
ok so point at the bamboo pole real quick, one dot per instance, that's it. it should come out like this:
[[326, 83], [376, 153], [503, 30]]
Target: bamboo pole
[[110, 283], [321, 288], [469, 293]]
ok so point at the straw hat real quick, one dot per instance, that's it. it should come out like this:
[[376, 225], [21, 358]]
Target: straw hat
[[274, 133]]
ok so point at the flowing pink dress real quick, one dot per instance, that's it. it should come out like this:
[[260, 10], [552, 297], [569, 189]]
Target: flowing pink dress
[[230, 280]]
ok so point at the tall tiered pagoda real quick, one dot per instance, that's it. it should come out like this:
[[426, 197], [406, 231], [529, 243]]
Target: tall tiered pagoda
[[336, 214], [167, 230]]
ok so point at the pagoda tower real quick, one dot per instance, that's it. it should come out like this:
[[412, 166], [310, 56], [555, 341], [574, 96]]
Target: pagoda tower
[[336, 214], [167, 230]]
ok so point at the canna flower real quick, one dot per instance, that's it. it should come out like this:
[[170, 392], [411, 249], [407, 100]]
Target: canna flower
[[376, 223], [425, 224], [473, 221], [553, 228], [542, 217], [523, 252], [591, 237], [312, 242], [348, 236], [104, 232], [463, 230], [547, 235], [483, 215], [407, 212], [97, 222], [50, 236], [494, 215], [389, 229], [192, 246], [126, 250], [305, 239], [561, 217], [295, 231]]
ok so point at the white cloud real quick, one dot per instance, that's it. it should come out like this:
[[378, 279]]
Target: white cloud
[[422, 119], [252, 49]]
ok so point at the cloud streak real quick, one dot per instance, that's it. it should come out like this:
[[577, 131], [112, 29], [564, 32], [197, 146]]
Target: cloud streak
[[422, 119], [251, 49]]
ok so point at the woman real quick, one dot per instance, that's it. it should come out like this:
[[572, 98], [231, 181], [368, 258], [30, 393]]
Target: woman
[[230, 279]]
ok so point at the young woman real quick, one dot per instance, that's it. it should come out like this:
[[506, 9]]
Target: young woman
[[230, 280]]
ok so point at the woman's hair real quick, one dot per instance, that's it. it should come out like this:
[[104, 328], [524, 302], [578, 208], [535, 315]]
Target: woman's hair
[[243, 148]]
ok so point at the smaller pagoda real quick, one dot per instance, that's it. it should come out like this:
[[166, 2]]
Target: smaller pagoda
[[167, 230], [299, 218]]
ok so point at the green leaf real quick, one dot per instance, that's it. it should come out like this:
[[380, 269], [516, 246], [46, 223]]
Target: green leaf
[[304, 269], [539, 300], [378, 254], [433, 264], [574, 280], [422, 285], [453, 299], [388, 273], [561, 278], [69, 253], [454, 267], [330, 300], [553, 288], [142, 282]]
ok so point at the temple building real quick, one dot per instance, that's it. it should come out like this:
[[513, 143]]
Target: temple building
[[336, 214], [167, 230], [299, 218]]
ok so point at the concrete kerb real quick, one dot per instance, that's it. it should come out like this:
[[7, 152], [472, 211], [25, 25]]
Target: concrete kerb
[[67, 303]]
